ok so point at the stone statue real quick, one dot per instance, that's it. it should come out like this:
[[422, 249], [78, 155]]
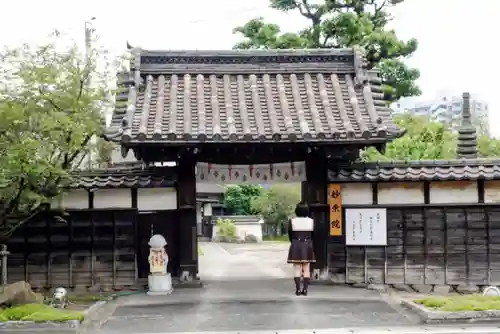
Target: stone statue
[[158, 258], [159, 281]]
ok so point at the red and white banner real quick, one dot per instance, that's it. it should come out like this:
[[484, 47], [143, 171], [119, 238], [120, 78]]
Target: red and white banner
[[256, 174]]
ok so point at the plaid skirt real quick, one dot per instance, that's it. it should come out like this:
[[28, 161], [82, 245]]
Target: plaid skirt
[[301, 251]]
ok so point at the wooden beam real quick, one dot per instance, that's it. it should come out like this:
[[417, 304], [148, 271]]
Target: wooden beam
[[186, 203], [314, 193]]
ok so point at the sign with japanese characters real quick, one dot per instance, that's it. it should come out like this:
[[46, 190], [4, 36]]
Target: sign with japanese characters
[[366, 227], [335, 202]]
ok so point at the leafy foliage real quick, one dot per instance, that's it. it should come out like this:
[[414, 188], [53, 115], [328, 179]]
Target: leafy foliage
[[51, 99], [238, 199], [427, 140], [338, 24], [104, 150], [225, 230], [277, 204], [488, 146]]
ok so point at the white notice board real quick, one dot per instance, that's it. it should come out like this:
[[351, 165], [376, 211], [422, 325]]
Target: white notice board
[[366, 227]]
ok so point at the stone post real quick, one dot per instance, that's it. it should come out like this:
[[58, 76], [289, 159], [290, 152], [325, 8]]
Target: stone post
[[159, 280], [4, 253]]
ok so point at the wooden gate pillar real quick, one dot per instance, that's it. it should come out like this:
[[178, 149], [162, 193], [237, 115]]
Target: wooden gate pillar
[[186, 204], [314, 193]]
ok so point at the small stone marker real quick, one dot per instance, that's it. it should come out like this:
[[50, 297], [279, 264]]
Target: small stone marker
[[159, 280], [491, 291]]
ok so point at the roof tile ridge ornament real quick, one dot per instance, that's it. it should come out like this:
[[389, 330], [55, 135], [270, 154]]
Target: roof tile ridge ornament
[[362, 81], [135, 87], [467, 138], [360, 68], [247, 61]]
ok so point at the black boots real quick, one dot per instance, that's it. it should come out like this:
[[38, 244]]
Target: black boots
[[297, 286], [305, 285]]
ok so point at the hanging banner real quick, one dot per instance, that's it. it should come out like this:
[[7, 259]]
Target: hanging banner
[[366, 227], [335, 202], [255, 174]]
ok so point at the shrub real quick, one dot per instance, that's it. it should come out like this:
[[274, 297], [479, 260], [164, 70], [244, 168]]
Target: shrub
[[251, 239], [225, 230]]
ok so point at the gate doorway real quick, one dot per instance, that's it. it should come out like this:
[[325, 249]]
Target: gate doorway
[[156, 222]]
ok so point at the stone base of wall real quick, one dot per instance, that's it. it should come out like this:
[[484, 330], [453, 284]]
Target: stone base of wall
[[438, 289]]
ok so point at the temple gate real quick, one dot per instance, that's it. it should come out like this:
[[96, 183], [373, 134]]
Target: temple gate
[[233, 108], [262, 117]]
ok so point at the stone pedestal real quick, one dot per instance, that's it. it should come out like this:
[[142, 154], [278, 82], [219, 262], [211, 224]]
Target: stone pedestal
[[159, 285]]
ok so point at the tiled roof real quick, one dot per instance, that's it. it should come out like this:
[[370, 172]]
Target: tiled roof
[[149, 177], [273, 95], [418, 171]]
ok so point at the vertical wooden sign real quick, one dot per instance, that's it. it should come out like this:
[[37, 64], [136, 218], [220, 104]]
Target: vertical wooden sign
[[335, 202]]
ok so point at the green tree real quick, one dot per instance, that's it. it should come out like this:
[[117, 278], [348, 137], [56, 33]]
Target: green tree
[[488, 147], [277, 204], [238, 198], [427, 140], [424, 140], [338, 24], [49, 111]]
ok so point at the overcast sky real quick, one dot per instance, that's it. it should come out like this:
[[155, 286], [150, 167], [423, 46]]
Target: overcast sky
[[458, 48]]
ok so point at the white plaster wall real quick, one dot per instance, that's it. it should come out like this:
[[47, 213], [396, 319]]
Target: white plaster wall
[[199, 214], [74, 199], [492, 191], [207, 209], [243, 230], [157, 199], [112, 198], [444, 192], [401, 193], [357, 193]]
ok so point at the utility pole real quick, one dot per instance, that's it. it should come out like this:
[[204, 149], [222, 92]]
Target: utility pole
[[89, 30]]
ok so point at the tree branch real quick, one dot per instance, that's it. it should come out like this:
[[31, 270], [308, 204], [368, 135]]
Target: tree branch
[[69, 159], [13, 203], [36, 210]]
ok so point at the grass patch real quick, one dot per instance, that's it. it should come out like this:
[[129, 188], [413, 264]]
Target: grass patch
[[200, 252], [38, 313], [461, 303], [279, 238]]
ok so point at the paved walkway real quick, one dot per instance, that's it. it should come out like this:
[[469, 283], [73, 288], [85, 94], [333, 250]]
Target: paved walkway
[[249, 288], [225, 261]]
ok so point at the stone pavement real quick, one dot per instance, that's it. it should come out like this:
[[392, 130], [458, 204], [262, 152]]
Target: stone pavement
[[226, 261], [383, 330], [249, 287]]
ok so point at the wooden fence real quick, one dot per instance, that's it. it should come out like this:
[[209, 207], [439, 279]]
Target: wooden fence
[[91, 248], [427, 244]]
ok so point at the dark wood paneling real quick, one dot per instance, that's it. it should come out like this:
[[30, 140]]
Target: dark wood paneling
[[314, 193], [428, 244], [91, 248]]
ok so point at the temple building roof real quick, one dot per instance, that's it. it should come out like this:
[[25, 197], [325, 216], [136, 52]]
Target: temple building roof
[[423, 170], [176, 97], [395, 171], [148, 177]]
